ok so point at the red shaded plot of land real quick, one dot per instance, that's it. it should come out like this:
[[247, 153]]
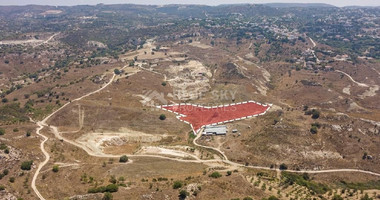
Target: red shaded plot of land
[[200, 116]]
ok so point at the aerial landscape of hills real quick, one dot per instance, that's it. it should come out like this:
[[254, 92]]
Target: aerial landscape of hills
[[236, 101]]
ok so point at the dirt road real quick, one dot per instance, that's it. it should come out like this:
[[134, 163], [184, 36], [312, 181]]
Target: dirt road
[[42, 124], [46, 41], [350, 77], [225, 160], [47, 157], [312, 41]]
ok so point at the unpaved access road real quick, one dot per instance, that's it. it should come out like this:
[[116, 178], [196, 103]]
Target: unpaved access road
[[225, 160], [42, 124], [350, 77]]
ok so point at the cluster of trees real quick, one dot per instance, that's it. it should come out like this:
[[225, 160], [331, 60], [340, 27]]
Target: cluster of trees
[[5, 148], [338, 197], [271, 198], [183, 193], [215, 175], [303, 180], [102, 189], [313, 112], [10, 90], [27, 165], [314, 127]]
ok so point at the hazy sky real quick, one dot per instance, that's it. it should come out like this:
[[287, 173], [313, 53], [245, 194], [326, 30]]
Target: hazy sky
[[208, 2]]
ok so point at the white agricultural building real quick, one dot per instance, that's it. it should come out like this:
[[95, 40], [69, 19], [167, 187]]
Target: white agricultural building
[[215, 130]]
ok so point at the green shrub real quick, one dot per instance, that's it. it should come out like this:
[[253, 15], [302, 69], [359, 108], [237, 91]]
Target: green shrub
[[3, 146], [337, 197], [162, 179], [102, 189], [112, 188], [93, 190], [305, 108], [315, 114], [2, 131], [163, 83], [215, 175], [316, 124], [107, 196], [313, 130], [12, 179], [113, 180], [366, 197], [183, 194], [283, 166], [247, 198], [123, 159], [55, 168], [162, 117], [2, 187], [273, 198], [177, 184], [117, 71], [27, 165]]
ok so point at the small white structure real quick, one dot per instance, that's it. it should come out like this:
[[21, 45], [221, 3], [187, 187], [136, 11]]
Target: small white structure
[[215, 130]]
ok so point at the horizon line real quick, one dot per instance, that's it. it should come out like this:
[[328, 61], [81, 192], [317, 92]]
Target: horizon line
[[196, 4]]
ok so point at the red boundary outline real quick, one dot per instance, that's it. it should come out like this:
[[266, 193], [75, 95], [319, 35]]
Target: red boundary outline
[[210, 107]]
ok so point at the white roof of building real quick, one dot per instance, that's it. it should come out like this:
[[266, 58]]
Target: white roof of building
[[216, 129]]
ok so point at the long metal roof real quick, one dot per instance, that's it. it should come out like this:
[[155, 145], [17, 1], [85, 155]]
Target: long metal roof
[[216, 129]]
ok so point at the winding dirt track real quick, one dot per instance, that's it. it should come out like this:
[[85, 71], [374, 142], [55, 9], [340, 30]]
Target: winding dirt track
[[47, 157], [353, 80], [48, 40], [359, 84], [42, 124]]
